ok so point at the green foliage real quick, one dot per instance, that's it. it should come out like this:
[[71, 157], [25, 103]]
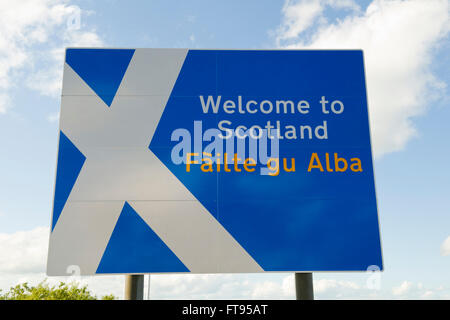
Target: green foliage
[[43, 291]]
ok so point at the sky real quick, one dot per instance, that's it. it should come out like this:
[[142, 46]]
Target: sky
[[406, 46]]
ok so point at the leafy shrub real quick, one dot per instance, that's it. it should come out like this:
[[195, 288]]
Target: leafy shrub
[[43, 291]]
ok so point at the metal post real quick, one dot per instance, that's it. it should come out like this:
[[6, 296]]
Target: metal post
[[148, 288], [304, 286], [134, 287]]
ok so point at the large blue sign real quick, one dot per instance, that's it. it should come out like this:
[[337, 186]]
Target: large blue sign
[[174, 160]]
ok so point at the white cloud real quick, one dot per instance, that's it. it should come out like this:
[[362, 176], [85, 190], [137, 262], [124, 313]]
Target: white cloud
[[445, 247], [33, 34], [270, 289], [398, 39], [404, 288], [220, 286], [427, 294], [324, 285], [411, 290], [24, 251], [300, 15]]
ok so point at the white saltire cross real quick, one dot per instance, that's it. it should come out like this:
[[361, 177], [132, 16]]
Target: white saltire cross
[[120, 167]]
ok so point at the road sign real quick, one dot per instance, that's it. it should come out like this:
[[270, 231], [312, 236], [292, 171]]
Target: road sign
[[213, 161]]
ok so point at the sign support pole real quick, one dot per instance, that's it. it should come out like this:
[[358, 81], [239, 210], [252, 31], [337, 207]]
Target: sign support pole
[[148, 288], [134, 287], [304, 286]]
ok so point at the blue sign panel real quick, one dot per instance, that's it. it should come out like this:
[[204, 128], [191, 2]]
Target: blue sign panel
[[215, 161]]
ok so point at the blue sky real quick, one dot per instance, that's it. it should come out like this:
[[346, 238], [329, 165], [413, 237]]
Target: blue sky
[[406, 48]]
